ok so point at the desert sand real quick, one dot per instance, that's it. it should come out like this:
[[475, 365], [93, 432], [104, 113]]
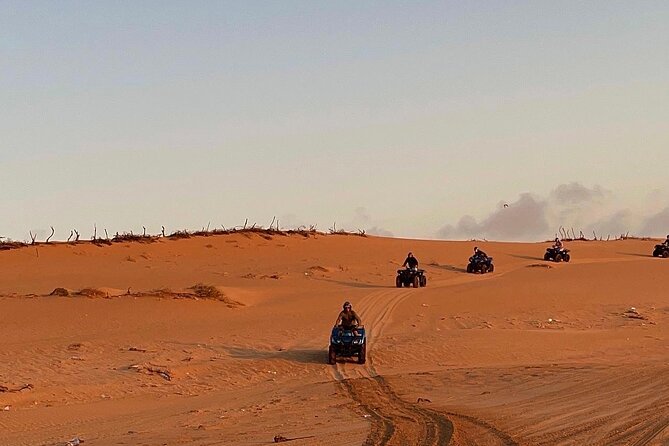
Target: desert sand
[[536, 353]]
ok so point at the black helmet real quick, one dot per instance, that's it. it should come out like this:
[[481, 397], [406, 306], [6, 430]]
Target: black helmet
[[476, 248], [411, 254], [346, 304]]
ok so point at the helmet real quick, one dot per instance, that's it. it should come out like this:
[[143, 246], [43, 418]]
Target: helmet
[[476, 248], [411, 254], [346, 304]]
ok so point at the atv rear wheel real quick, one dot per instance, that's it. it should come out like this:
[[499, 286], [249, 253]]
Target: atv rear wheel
[[332, 356], [398, 282], [416, 281], [470, 269], [567, 258], [362, 356], [665, 253], [423, 281], [558, 258], [491, 268]]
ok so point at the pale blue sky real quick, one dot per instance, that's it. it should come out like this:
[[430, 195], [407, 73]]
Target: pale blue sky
[[399, 116]]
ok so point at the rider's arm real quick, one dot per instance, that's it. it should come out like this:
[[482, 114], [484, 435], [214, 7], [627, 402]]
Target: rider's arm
[[357, 318], [338, 321]]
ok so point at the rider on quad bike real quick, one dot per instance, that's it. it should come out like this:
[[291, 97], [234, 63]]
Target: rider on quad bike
[[557, 244], [411, 262], [478, 254], [348, 319]]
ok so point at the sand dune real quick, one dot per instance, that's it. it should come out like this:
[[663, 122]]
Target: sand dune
[[222, 340]]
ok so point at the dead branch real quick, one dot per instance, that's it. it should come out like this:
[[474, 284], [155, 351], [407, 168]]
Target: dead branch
[[163, 231], [144, 233], [152, 369], [32, 237], [52, 233], [270, 225], [282, 439], [71, 234], [76, 239], [245, 222], [106, 234], [4, 389], [95, 231]]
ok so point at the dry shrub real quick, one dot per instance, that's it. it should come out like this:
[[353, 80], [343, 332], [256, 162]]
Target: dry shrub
[[202, 291], [60, 292], [180, 234], [130, 237], [10, 244], [206, 291]]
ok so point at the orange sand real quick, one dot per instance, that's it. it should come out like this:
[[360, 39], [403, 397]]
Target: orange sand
[[527, 355]]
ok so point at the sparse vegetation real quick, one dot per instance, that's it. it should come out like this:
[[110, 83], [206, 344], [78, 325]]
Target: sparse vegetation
[[206, 291]]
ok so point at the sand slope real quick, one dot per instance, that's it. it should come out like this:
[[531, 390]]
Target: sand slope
[[533, 354]]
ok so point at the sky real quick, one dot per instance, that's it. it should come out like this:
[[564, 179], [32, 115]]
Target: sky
[[486, 119]]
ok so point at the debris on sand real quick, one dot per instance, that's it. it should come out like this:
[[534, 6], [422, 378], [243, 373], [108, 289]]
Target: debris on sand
[[423, 400], [137, 349], [632, 313], [539, 265], [63, 292], [282, 439], [4, 389], [318, 268], [150, 369], [92, 292], [76, 441]]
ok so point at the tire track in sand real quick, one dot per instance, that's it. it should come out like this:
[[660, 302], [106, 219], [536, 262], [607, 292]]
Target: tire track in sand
[[394, 421]]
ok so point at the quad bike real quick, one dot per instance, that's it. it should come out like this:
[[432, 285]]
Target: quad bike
[[480, 265], [410, 276], [557, 254], [661, 251], [346, 344]]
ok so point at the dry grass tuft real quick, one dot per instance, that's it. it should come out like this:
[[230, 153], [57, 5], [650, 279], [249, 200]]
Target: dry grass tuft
[[206, 291], [180, 234], [130, 237], [10, 244]]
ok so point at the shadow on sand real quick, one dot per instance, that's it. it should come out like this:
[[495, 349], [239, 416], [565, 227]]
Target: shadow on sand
[[303, 356], [635, 254], [452, 268], [518, 256], [353, 284]]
